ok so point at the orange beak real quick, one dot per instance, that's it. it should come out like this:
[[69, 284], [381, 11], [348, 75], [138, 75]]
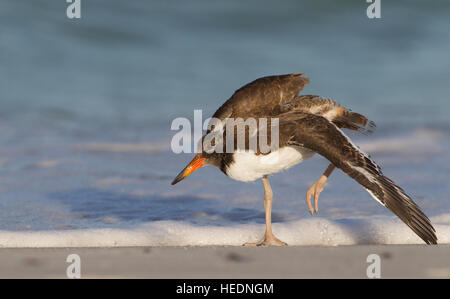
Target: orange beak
[[195, 164]]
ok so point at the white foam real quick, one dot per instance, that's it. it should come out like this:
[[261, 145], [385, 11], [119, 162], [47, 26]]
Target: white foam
[[311, 231]]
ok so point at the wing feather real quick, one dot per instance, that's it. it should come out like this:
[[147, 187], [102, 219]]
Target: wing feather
[[322, 136]]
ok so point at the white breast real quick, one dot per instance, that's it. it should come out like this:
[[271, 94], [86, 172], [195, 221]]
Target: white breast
[[249, 167]]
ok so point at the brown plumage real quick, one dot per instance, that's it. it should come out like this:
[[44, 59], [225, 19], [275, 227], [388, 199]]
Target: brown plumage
[[263, 97], [308, 124], [331, 110], [273, 95]]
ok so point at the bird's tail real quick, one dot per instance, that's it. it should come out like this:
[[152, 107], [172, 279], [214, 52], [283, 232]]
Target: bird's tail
[[354, 121], [331, 110]]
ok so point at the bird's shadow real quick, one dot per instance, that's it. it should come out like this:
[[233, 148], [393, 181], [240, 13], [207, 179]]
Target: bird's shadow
[[103, 207]]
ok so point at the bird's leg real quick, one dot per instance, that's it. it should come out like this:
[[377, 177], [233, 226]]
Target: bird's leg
[[269, 238], [316, 188]]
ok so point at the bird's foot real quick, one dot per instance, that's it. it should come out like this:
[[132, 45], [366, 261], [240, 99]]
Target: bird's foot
[[267, 240], [315, 190]]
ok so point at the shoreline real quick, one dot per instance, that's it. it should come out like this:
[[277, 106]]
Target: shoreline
[[221, 262]]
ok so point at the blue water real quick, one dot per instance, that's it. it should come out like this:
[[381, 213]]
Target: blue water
[[86, 106]]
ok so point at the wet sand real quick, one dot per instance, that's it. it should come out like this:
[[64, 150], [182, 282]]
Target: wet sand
[[396, 261]]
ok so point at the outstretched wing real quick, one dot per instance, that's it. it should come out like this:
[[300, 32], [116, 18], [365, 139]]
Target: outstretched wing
[[322, 136]]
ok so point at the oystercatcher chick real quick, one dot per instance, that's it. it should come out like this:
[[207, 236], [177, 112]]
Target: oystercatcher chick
[[306, 124]]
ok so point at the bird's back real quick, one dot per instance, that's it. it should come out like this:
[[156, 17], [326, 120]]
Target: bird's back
[[263, 97], [274, 96]]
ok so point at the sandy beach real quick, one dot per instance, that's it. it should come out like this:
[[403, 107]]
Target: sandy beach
[[397, 261]]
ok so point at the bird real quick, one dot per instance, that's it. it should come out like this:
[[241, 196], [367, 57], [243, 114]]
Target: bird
[[306, 125]]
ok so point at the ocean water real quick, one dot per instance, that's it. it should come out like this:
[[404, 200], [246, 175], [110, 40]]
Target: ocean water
[[86, 108]]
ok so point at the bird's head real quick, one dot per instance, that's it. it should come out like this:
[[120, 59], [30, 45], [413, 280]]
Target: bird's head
[[208, 155]]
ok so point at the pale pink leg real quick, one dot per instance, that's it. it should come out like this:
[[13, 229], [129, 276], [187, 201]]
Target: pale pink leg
[[316, 188], [269, 238]]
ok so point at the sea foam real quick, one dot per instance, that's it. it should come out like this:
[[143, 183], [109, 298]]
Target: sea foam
[[314, 231]]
